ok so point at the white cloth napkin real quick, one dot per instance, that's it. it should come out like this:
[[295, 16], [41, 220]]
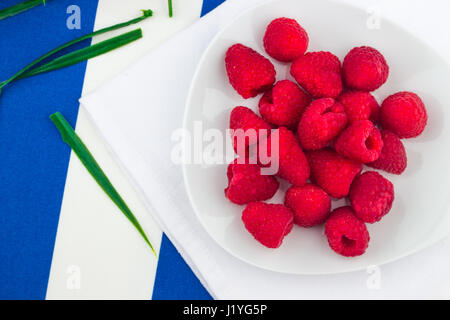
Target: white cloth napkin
[[137, 111]]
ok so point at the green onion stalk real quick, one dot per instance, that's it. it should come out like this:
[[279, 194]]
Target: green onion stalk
[[81, 54], [19, 8], [70, 137]]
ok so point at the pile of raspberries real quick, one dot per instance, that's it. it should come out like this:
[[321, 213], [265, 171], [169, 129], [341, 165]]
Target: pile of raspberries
[[329, 125]]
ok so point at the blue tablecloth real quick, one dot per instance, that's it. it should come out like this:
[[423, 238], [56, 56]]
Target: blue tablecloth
[[34, 161]]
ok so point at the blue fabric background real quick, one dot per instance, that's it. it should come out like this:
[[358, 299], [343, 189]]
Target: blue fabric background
[[174, 279], [209, 5], [34, 160]]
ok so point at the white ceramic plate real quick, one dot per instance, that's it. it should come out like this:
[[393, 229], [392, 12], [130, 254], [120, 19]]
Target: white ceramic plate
[[420, 215]]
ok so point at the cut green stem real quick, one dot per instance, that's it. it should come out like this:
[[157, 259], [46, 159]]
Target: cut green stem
[[70, 137], [145, 14], [85, 53], [170, 9], [19, 8]]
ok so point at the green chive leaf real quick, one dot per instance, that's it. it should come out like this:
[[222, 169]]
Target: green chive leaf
[[170, 9], [70, 137], [85, 53], [19, 8], [145, 14]]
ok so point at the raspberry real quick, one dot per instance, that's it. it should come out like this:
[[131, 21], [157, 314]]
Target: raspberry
[[319, 73], [285, 40], [321, 122], [268, 223], [359, 105], [404, 114], [284, 104], [310, 204], [361, 141], [247, 123], [346, 234], [246, 184], [249, 72], [292, 162], [393, 155], [332, 172], [364, 68], [371, 196]]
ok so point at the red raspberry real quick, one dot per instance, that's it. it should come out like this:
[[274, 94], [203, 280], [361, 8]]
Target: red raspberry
[[292, 162], [284, 104], [321, 122], [361, 141], [332, 172], [246, 184], [268, 223], [319, 73], [371, 196], [404, 114], [359, 105], [249, 72], [250, 125], [393, 155], [285, 40], [310, 204], [347, 235], [364, 68]]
